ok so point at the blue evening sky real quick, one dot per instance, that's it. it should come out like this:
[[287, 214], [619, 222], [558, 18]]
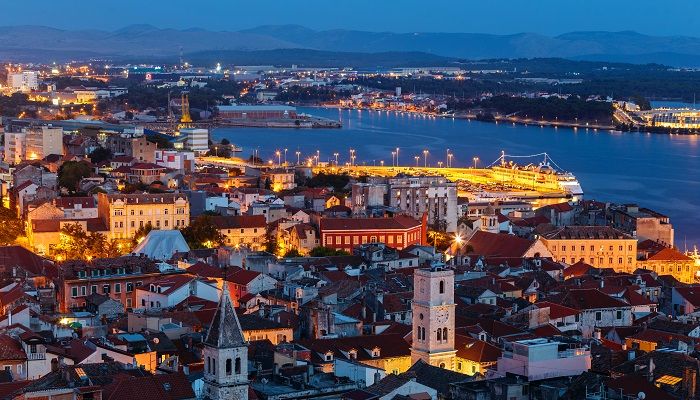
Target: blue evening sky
[[551, 17]]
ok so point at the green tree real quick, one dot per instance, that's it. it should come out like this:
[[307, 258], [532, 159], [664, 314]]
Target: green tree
[[77, 244], [225, 142], [202, 233], [322, 251], [141, 233], [292, 253], [10, 227], [100, 154], [70, 174]]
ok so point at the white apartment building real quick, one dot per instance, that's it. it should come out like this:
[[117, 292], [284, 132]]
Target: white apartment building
[[15, 147], [173, 159], [42, 141], [434, 195], [540, 358], [24, 81], [196, 139]]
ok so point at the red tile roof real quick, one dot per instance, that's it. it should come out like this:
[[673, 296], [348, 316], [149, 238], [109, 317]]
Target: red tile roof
[[588, 299], [586, 232], [690, 294], [160, 386], [11, 349], [668, 254], [557, 311], [497, 244], [476, 350]]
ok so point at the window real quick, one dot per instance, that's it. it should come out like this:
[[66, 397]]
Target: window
[[105, 289], [117, 288], [74, 291], [618, 314], [439, 335], [459, 366], [83, 290], [129, 287], [93, 289], [442, 287], [228, 366], [444, 334], [598, 316], [238, 365]]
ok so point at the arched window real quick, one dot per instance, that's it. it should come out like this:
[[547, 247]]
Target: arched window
[[439, 334], [422, 333], [213, 366], [209, 365], [228, 366], [442, 365], [442, 287], [444, 334], [418, 332], [238, 365]]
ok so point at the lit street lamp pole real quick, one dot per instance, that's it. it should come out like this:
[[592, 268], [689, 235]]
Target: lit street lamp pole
[[449, 159], [417, 158], [318, 157], [397, 156], [336, 159], [279, 159], [476, 160], [425, 158], [393, 157], [298, 153], [285, 157]]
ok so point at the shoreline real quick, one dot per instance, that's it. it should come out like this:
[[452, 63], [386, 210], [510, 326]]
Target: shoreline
[[470, 117]]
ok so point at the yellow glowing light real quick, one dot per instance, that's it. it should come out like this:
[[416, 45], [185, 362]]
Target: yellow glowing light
[[64, 321]]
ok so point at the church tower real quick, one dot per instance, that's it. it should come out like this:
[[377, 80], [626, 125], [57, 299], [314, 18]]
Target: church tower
[[434, 317], [489, 220], [225, 354]]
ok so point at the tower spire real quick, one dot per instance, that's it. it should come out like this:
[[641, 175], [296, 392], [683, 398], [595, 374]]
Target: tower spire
[[225, 329]]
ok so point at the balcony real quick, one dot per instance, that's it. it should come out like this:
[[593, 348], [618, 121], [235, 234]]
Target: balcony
[[36, 356]]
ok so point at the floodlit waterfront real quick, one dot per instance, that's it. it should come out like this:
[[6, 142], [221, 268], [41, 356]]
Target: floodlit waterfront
[[658, 171]]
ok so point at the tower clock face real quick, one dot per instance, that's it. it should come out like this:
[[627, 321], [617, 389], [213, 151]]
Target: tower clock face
[[442, 316]]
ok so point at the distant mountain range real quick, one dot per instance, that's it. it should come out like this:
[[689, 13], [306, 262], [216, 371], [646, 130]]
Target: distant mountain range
[[42, 43]]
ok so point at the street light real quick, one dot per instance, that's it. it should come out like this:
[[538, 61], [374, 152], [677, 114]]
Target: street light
[[285, 157], [336, 159], [352, 157], [417, 158], [393, 156], [318, 156], [449, 160], [381, 163], [425, 157], [476, 160], [279, 160], [298, 154], [439, 164], [216, 150], [397, 156]]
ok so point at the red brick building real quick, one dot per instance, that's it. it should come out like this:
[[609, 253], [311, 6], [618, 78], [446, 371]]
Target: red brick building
[[346, 233], [116, 278]]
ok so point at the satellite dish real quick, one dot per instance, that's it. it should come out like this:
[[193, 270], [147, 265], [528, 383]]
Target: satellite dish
[[156, 340], [641, 395]]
